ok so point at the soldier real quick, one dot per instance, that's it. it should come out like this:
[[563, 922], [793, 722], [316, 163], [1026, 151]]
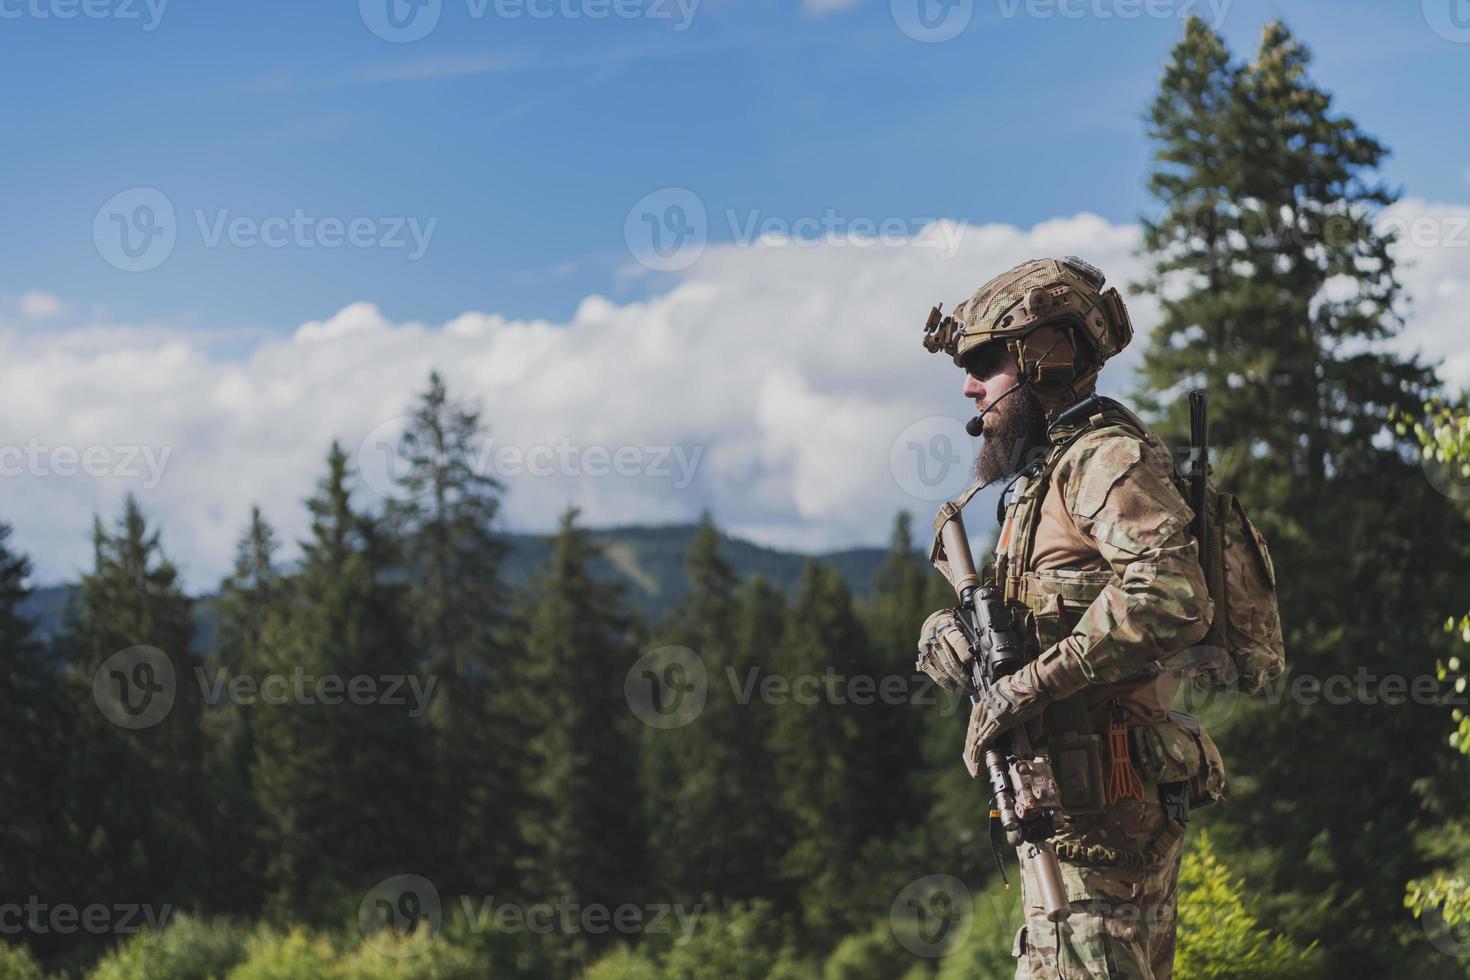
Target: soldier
[[1096, 553]]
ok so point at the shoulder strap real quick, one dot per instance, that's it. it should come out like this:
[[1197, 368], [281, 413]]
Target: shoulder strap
[[1089, 415]]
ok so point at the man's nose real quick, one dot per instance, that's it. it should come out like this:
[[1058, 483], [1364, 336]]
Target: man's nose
[[973, 388]]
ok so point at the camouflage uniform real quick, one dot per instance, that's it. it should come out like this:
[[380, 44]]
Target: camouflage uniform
[[1096, 546], [1104, 561]]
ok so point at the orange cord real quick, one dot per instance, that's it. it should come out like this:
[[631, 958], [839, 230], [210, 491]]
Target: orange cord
[[1123, 781]]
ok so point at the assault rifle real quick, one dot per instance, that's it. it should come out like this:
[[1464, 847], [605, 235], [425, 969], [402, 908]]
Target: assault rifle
[[1026, 798]]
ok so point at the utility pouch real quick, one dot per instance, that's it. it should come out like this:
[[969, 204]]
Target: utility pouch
[[1076, 760], [1180, 751]]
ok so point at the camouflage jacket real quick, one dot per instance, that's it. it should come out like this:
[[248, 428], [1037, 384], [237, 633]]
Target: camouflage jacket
[[1096, 543]]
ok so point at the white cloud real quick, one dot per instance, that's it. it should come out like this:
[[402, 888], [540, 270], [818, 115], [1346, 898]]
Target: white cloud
[[771, 384], [1433, 261], [36, 305]]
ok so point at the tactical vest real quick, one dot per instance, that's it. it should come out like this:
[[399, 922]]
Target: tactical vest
[[1173, 752]]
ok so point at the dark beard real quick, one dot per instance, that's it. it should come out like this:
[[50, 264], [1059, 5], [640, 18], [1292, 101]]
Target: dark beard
[[1013, 432]]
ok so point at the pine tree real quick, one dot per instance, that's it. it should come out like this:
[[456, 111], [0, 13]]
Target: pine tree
[[248, 597], [1277, 291], [338, 778], [133, 783], [31, 767], [583, 836], [713, 816], [462, 630], [828, 790]]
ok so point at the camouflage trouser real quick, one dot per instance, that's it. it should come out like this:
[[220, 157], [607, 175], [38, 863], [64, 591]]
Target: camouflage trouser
[[1121, 871]]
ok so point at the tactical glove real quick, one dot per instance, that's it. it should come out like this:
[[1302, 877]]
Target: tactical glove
[[1018, 698], [944, 654]]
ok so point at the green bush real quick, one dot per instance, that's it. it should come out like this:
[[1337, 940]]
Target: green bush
[[986, 951], [1219, 936], [873, 955], [16, 964], [386, 957], [296, 955], [189, 949], [624, 964]]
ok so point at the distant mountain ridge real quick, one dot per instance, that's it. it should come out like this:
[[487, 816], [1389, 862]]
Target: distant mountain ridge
[[647, 561]]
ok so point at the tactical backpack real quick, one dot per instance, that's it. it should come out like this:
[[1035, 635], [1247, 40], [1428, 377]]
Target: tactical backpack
[[1244, 649]]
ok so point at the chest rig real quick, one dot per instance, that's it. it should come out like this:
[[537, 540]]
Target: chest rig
[[1054, 601], [1018, 513]]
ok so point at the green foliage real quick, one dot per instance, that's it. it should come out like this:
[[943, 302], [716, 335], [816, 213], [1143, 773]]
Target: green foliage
[[872, 955], [1268, 195], [986, 951], [582, 788], [16, 963], [292, 955], [750, 942], [463, 634], [143, 845], [1220, 937], [1444, 438], [189, 949], [337, 783], [712, 793]]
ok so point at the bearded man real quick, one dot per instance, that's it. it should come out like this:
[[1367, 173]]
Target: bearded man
[[1096, 558]]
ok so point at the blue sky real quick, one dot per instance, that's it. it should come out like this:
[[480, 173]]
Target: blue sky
[[528, 139], [483, 190]]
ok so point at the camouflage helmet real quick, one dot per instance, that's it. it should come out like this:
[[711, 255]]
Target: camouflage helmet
[[1065, 293]]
